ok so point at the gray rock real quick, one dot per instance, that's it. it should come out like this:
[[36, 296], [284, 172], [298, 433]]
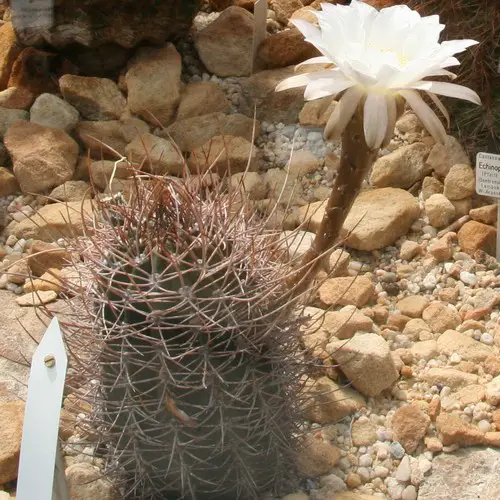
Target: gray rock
[[443, 156], [467, 474], [9, 116], [51, 111]]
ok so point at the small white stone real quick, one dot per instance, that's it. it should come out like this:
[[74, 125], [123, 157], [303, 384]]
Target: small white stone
[[455, 358], [403, 472], [468, 278], [430, 282], [424, 464], [364, 474], [381, 471], [486, 338], [409, 493], [365, 460], [484, 426]]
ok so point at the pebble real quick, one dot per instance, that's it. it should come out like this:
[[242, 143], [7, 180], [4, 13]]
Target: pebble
[[397, 451], [486, 338], [409, 493], [468, 278], [403, 472]]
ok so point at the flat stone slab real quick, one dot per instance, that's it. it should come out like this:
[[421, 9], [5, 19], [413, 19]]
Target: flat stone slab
[[467, 474]]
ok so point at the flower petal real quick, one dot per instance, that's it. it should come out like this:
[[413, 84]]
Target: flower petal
[[343, 113], [301, 80], [327, 86], [435, 99], [453, 90], [428, 118], [375, 118], [314, 60], [392, 116]]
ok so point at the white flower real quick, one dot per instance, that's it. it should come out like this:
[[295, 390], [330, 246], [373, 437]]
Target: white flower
[[378, 56]]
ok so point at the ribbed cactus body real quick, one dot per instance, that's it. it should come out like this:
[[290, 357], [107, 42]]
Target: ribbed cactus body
[[195, 346]]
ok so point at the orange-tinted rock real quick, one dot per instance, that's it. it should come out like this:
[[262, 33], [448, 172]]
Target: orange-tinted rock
[[38, 71], [477, 236], [9, 51]]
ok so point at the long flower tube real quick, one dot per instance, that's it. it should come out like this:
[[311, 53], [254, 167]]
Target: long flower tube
[[374, 61]]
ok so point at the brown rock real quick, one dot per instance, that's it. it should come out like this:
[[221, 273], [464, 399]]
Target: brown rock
[[331, 402], [358, 291], [34, 70], [366, 361], [86, 481], [440, 317], [225, 45], [442, 249], [401, 168], [71, 191], [116, 134], [8, 182], [317, 457], [200, 98], [363, 432], [470, 395], [372, 223], [49, 281], [258, 92], [285, 8], [153, 81], [486, 214], [474, 236], [35, 299], [10, 49], [94, 98], [439, 210], [158, 155], [409, 250], [286, 48], [194, 132], [16, 98], [43, 157], [491, 365], [469, 349], [223, 154], [460, 182], [456, 379], [102, 171], [11, 416], [44, 256], [443, 156], [410, 425], [412, 306], [315, 113], [52, 222], [434, 408], [453, 430], [430, 186]]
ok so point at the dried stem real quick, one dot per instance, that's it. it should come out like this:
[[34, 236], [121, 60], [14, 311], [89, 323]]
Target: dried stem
[[355, 162]]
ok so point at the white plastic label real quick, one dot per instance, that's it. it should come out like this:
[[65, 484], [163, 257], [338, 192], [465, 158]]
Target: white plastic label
[[488, 174], [40, 469], [32, 13]]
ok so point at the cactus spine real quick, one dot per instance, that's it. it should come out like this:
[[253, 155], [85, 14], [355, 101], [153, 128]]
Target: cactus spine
[[188, 329]]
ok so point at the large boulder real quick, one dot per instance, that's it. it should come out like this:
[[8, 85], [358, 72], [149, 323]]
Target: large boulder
[[96, 22]]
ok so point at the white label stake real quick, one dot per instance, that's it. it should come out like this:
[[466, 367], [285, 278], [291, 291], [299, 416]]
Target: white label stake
[[32, 13], [488, 183], [41, 474]]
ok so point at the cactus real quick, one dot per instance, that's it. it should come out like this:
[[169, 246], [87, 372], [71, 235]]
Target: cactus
[[190, 332]]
